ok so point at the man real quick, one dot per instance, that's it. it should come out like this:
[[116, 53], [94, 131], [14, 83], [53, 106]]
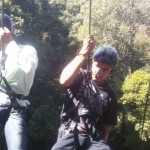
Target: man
[[90, 104], [17, 68]]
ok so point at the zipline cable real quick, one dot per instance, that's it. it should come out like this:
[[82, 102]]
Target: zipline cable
[[89, 31], [90, 16], [147, 95], [2, 23]]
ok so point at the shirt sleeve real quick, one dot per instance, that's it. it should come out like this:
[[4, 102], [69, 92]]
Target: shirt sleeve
[[25, 55], [78, 80], [21, 64]]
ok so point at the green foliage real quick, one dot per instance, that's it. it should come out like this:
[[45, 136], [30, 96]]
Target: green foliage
[[43, 122], [116, 23], [135, 88], [56, 29], [38, 23], [129, 140], [142, 46]]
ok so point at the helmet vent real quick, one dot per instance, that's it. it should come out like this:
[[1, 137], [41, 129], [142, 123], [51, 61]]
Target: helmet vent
[[107, 55], [103, 54], [111, 58]]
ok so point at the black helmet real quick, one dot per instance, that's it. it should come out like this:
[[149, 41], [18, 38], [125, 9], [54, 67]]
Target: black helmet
[[107, 55], [7, 22]]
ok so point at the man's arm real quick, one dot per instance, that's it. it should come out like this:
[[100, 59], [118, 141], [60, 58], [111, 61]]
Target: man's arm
[[71, 70], [105, 132], [21, 63]]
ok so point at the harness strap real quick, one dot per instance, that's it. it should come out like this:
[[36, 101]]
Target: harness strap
[[72, 127], [87, 97], [76, 139], [12, 95], [82, 110], [4, 90]]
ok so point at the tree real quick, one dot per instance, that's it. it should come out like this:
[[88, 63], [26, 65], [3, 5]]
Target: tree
[[134, 99], [38, 23]]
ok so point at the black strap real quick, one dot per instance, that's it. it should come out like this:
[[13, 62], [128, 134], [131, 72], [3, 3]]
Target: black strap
[[6, 83], [3, 89], [87, 98], [72, 127], [12, 95], [76, 139]]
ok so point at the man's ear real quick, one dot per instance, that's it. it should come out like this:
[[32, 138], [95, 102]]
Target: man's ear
[[91, 60], [112, 73]]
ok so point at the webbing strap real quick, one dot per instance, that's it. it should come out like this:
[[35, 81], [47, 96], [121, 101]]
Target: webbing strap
[[82, 110], [73, 127], [87, 98], [6, 83], [3, 89], [9, 91], [76, 139]]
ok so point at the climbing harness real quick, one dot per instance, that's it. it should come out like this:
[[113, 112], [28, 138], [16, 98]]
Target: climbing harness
[[83, 109]]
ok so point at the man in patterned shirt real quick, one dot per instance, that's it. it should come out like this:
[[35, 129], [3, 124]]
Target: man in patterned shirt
[[90, 104]]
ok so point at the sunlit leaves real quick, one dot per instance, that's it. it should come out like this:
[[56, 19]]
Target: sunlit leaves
[[135, 90], [135, 87]]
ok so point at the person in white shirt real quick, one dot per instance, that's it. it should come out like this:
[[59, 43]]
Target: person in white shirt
[[17, 65]]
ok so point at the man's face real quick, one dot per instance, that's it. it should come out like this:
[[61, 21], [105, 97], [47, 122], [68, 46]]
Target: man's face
[[100, 71]]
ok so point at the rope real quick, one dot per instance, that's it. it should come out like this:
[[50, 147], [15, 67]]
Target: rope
[[90, 16], [2, 13], [2, 45], [90, 1], [144, 114]]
